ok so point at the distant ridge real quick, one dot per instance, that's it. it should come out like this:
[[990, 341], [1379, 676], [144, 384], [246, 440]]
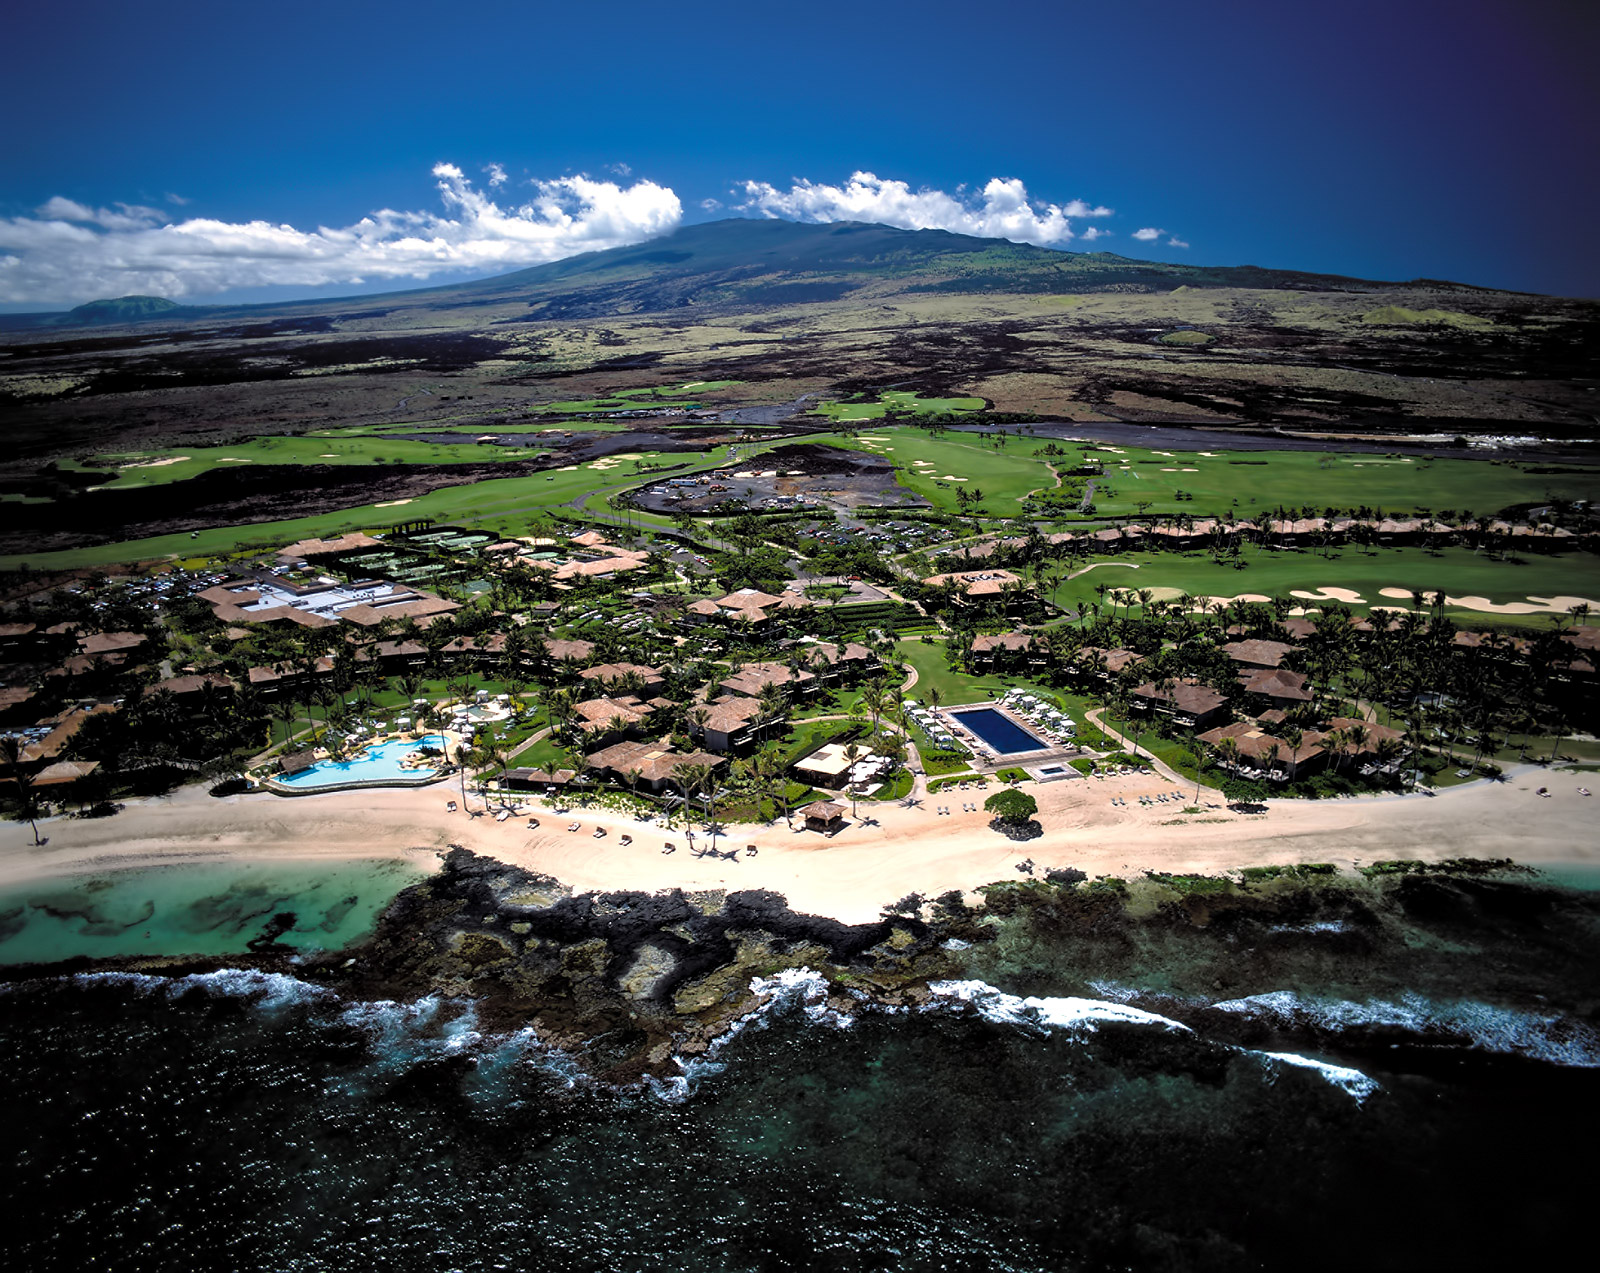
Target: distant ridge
[[740, 265]]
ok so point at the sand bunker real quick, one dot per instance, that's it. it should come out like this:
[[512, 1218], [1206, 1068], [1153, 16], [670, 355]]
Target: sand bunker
[[1180, 470], [951, 477], [1243, 596], [233, 459], [1126, 565], [153, 464], [1156, 594], [568, 468], [1347, 596], [1208, 454], [1399, 594], [392, 503], [1533, 605], [328, 455]]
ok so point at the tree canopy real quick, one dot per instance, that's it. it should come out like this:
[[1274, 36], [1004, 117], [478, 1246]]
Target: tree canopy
[[1011, 805]]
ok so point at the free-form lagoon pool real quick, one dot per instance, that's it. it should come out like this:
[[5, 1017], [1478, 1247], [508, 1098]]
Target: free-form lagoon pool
[[378, 764], [1000, 732]]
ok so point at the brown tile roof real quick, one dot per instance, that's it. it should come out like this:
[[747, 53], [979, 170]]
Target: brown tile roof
[[1276, 683], [654, 761], [757, 676], [64, 771], [340, 544], [1256, 744], [615, 671], [1186, 696], [560, 650], [1003, 641], [194, 683], [107, 642], [1257, 653]]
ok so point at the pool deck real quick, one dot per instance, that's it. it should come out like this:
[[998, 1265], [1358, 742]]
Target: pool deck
[[985, 758]]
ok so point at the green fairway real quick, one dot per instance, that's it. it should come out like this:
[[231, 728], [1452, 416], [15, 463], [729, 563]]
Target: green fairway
[[510, 505], [900, 401], [161, 468], [473, 428], [1459, 572], [951, 462], [634, 399]]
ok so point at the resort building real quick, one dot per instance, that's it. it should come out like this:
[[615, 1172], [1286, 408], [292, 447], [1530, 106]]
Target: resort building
[[730, 722], [1258, 654], [270, 598], [1268, 755], [1189, 704], [755, 677], [749, 604], [649, 765], [824, 816], [1007, 650], [1276, 687]]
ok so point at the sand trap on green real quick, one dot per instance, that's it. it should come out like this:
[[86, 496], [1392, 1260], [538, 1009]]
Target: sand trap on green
[[154, 464], [951, 477], [1099, 565], [1533, 605], [1156, 594], [1346, 596], [392, 503], [1399, 594], [1243, 596]]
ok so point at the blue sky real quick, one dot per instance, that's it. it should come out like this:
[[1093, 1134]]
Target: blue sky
[[197, 149]]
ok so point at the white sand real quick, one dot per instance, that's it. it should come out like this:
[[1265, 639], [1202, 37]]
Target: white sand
[[1243, 596], [1533, 605], [1348, 596], [1399, 594], [951, 477], [393, 503], [889, 851]]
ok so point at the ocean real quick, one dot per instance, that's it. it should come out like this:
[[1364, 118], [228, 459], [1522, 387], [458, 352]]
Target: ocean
[[1036, 1115]]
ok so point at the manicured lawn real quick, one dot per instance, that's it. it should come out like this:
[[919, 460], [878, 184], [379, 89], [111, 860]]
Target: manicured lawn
[[1252, 483], [633, 399], [1004, 476], [900, 400], [162, 468], [1460, 572], [509, 505]]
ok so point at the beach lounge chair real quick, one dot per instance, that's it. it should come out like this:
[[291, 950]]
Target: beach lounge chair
[[449, 806], [599, 833], [750, 850], [576, 826], [533, 824], [671, 847], [625, 839], [502, 815]]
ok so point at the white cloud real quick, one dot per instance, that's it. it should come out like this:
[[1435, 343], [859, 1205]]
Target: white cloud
[[67, 252], [1002, 211], [711, 205], [497, 174], [1176, 242], [1094, 232], [1148, 234]]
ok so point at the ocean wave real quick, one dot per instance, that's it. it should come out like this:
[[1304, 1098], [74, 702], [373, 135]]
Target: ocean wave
[[268, 989], [1552, 1038], [1083, 1015], [1358, 1085], [791, 989]]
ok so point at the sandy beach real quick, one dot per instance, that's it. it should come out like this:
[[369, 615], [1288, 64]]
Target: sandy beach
[[885, 853]]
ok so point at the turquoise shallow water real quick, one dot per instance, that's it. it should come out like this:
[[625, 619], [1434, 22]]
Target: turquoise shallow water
[[196, 909]]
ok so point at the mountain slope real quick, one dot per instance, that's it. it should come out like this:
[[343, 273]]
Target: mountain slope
[[740, 264]]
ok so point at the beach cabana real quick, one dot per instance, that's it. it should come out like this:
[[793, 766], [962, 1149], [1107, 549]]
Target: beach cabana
[[824, 816]]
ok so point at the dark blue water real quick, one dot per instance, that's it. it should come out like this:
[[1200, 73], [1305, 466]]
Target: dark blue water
[[998, 731], [247, 1122]]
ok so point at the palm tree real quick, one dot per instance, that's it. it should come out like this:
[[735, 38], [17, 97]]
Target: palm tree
[[11, 755], [852, 753]]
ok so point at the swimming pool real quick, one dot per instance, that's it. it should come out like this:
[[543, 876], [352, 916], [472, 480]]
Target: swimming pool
[[377, 765], [1000, 732]]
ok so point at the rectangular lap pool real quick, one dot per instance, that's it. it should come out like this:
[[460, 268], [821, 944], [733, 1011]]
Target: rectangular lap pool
[[1000, 732]]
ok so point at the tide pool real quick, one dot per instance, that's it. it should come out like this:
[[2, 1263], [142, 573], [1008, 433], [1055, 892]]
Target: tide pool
[[203, 909]]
